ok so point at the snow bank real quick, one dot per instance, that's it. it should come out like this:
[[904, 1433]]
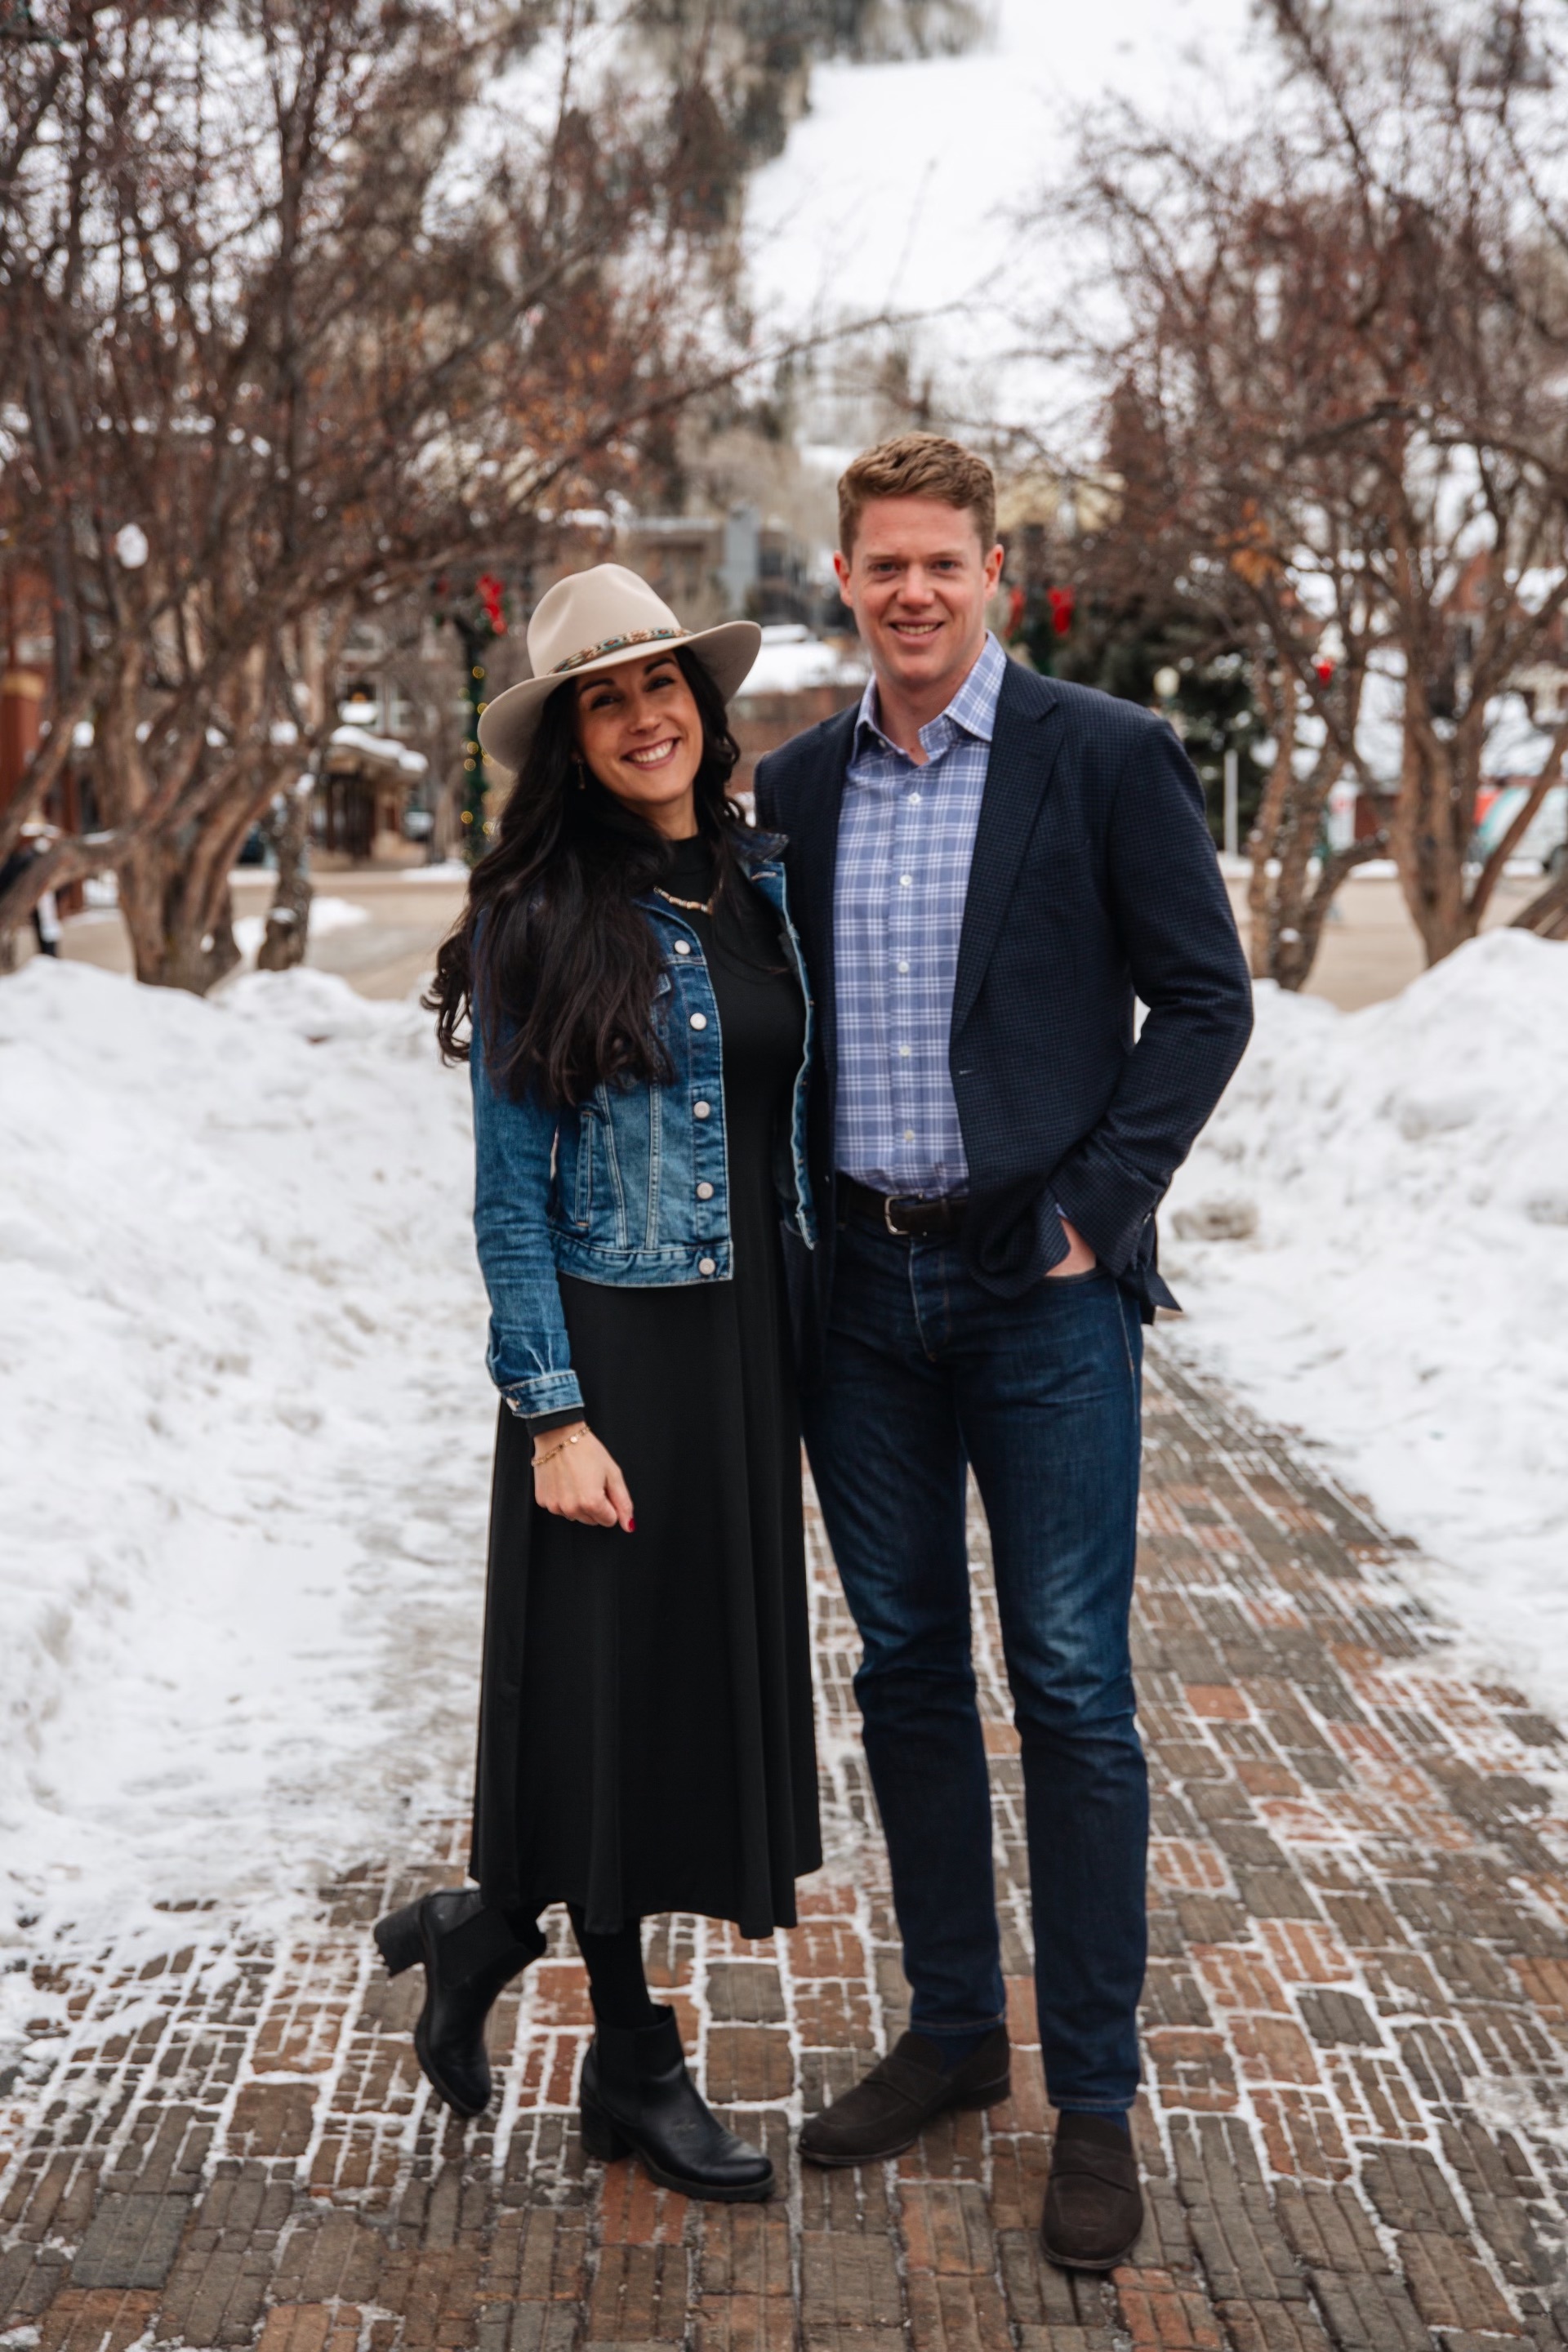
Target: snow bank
[[326, 915], [1394, 1184], [244, 1439]]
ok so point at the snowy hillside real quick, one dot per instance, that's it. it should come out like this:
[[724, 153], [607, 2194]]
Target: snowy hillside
[[244, 1433], [898, 191], [1394, 1182]]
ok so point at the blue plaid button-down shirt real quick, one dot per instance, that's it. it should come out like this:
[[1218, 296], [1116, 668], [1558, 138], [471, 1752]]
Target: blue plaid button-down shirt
[[906, 835]]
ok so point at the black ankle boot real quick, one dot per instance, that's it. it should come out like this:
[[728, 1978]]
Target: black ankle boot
[[470, 1953], [639, 2098]]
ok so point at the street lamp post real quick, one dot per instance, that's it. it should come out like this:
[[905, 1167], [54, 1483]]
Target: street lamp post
[[477, 612], [1232, 800]]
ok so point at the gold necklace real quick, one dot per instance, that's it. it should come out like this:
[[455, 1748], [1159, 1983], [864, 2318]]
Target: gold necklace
[[693, 906]]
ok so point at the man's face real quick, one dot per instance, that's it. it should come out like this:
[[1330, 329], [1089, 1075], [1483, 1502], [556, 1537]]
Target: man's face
[[917, 582]]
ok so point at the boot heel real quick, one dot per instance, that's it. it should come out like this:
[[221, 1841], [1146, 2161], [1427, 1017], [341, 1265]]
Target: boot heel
[[600, 2138], [398, 1940]]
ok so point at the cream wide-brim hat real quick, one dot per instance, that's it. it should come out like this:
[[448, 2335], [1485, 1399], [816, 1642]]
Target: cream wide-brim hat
[[595, 620]]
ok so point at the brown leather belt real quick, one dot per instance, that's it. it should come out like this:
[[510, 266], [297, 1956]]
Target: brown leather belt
[[911, 1220]]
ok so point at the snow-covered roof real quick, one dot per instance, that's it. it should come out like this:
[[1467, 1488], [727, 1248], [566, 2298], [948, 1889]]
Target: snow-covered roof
[[791, 660], [381, 750]]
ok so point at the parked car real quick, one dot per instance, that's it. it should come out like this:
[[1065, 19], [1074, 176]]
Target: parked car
[[1545, 843]]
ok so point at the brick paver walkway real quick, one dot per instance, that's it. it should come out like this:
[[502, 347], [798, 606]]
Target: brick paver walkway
[[1356, 2127]]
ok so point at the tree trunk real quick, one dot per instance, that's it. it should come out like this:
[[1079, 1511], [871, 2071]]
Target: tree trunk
[[1289, 906], [1262, 924], [287, 826], [1261, 842], [1430, 835], [179, 937], [1547, 913], [174, 886]]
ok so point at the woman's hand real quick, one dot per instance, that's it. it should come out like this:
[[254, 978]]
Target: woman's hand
[[579, 1480]]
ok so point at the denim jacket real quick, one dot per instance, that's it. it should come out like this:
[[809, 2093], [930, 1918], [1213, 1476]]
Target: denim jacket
[[630, 1187]]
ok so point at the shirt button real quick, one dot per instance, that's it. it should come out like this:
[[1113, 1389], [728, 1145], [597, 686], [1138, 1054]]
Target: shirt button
[[707, 1266], [909, 1135], [705, 1192], [700, 1110], [903, 1052], [699, 1021], [683, 947], [915, 800], [905, 881], [903, 967]]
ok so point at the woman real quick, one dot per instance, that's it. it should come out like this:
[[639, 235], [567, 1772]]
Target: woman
[[640, 1036]]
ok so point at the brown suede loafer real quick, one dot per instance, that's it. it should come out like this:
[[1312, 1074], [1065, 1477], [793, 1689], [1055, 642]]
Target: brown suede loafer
[[1094, 2207], [888, 2109]]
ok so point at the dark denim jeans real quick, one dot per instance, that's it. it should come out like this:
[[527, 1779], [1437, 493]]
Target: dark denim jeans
[[926, 1373]]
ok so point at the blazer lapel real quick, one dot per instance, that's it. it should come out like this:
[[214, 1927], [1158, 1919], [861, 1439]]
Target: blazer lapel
[[1024, 746], [812, 823]]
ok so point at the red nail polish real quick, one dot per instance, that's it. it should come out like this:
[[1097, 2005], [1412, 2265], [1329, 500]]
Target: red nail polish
[[631, 1527]]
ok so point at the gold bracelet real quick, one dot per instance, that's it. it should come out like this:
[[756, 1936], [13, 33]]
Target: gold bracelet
[[576, 1439]]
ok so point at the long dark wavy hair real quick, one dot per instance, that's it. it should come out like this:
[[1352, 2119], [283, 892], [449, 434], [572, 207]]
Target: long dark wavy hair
[[549, 957]]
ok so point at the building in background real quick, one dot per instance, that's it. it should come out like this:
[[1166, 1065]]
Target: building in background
[[368, 806], [714, 567], [799, 680], [372, 804]]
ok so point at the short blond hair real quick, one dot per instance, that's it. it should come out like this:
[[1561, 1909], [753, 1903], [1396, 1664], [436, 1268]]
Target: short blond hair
[[918, 466]]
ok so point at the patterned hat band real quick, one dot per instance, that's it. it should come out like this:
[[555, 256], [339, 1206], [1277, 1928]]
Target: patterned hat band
[[613, 646]]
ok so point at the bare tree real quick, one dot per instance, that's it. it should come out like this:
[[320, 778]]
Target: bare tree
[[1444, 140], [1229, 371], [294, 307], [1343, 334]]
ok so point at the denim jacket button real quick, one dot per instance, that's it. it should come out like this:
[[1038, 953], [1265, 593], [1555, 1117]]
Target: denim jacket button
[[683, 947], [699, 1021], [705, 1192], [701, 1110], [707, 1266]]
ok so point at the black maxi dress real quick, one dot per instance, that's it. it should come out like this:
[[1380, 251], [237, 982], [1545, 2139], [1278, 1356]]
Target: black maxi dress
[[645, 1737]]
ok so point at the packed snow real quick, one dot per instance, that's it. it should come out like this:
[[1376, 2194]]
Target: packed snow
[[326, 915], [245, 1431], [1371, 1241]]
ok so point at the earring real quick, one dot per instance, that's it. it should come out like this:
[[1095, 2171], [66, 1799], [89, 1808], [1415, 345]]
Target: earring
[[582, 779]]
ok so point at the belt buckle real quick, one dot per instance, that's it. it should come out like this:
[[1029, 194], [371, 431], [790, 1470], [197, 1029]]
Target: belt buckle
[[900, 1232]]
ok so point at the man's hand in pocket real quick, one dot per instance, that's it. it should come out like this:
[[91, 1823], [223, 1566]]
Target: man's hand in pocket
[[1080, 1259]]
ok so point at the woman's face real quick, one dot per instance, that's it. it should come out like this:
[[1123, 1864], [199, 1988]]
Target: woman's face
[[638, 728]]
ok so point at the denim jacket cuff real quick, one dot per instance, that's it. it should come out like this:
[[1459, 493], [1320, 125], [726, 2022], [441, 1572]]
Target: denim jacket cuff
[[547, 1392]]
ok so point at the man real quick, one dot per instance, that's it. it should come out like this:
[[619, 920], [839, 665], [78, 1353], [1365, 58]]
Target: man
[[987, 868]]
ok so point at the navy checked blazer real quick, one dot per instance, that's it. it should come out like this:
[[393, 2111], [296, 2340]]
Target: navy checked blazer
[[1094, 881]]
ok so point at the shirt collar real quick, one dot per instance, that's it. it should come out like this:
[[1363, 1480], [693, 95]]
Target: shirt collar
[[973, 708]]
